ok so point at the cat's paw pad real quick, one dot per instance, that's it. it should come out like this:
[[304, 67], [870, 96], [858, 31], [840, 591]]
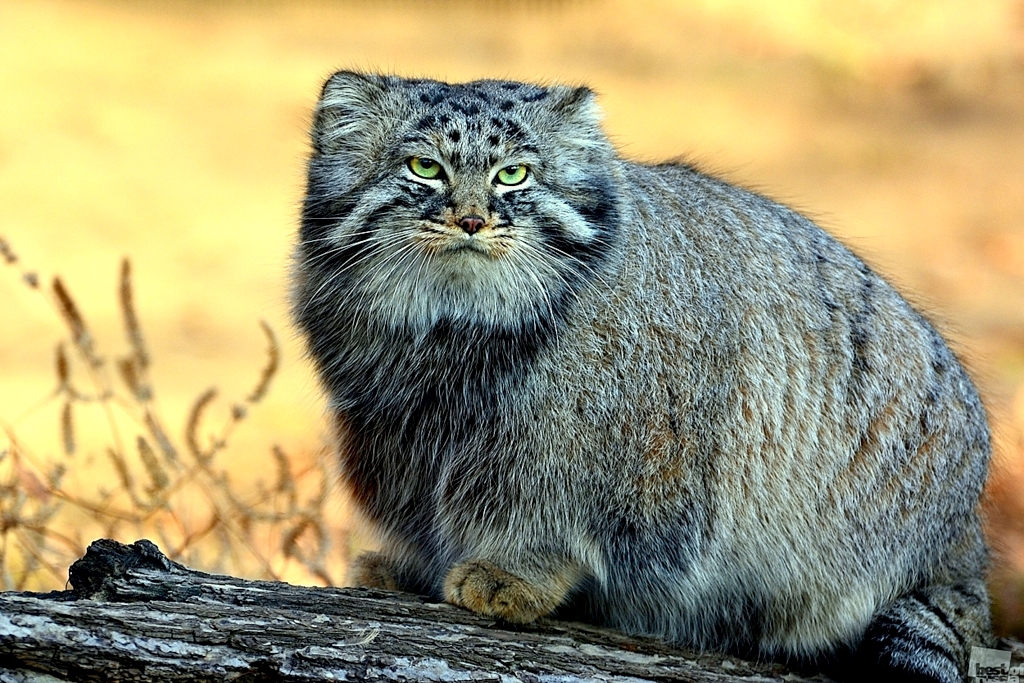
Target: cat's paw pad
[[373, 570], [484, 587]]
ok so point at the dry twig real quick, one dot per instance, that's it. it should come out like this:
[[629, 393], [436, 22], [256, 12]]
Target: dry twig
[[195, 509]]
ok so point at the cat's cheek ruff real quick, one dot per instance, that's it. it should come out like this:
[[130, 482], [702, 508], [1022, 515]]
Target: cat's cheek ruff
[[331, 197], [344, 240], [579, 230], [336, 191], [564, 224]]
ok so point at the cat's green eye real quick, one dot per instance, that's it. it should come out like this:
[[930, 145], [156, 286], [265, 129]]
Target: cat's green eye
[[425, 167], [512, 175]]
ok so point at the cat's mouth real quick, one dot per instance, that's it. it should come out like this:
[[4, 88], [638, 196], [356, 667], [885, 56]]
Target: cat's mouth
[[470, 245], [445, 239], [468, 248]]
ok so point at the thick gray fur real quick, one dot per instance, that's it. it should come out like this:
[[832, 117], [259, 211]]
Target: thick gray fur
[[639, 395]]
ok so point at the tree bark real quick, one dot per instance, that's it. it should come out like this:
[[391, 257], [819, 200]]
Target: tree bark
[[133, 615]]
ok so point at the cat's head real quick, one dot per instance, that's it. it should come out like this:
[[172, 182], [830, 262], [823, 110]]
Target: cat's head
[[480, 203]]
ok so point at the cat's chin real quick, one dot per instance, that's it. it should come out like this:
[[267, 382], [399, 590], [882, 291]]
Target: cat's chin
[[470, 249], [464, 297], [472, 283]]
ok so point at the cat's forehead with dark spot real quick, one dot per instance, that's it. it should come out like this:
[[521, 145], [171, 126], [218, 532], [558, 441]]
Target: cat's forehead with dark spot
[[490, 100], [487, 92], [473, 122]]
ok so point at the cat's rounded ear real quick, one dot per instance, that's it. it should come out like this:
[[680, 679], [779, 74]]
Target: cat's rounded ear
[[352, 114], [575, 104], [575, 116]]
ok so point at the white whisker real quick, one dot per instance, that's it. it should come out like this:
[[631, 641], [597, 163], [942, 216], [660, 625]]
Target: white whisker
[[338, 273]]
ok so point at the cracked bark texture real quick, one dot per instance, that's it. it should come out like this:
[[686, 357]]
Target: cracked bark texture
[[133, 615]]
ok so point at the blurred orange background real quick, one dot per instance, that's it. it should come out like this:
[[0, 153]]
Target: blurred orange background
[[174, 132]]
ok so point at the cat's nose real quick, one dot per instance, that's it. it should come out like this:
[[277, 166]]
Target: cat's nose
[[470, 224]]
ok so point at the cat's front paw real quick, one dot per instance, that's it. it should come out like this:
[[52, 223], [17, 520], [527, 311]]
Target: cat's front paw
[[373, 570], [484, 587]]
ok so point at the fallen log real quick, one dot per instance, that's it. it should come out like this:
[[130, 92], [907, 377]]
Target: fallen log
[[133, 615]]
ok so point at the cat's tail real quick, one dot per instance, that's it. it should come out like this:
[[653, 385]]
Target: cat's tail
[[927, 635]]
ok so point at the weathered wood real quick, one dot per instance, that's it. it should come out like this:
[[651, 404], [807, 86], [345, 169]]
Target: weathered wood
[[133, 615]]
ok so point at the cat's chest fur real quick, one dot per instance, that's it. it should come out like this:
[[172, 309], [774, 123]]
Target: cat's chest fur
[[419, 413]]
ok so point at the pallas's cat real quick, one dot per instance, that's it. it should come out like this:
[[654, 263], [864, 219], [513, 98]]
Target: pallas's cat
[[568, 384]]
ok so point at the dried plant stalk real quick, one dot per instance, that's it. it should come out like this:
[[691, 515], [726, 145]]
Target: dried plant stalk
[[63, 370], [29, 485], [123, 473], [132, 377], [79, 331], [196, 508], [290, 542], [6, 252], [67, 428], [149, 460], [131, 320], [285, 480], [202, 456], [56, 475], [160, 436], [10, 258], [270, 369]]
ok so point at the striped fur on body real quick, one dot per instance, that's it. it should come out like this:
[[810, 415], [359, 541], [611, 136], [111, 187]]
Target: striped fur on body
[[638, 395]]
